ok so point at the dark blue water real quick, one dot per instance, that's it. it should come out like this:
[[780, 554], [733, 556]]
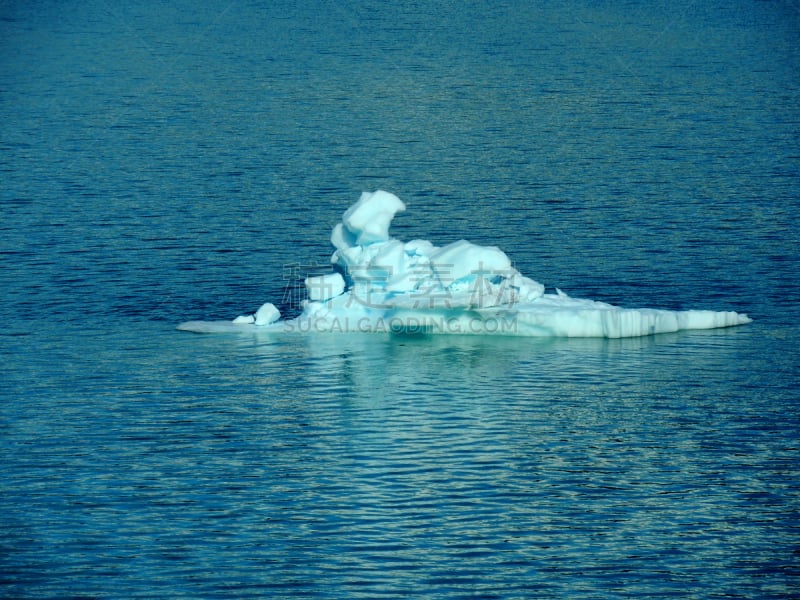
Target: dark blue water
[[172, 161]]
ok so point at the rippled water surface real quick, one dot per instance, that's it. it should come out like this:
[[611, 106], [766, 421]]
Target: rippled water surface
[[161, 163]]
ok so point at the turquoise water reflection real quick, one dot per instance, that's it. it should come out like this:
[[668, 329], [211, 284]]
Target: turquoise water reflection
[[361, 465]]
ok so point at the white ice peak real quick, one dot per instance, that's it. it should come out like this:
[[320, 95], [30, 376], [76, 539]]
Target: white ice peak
[[395, 273]]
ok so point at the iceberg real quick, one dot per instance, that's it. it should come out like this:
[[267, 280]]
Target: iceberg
[[379, 284]]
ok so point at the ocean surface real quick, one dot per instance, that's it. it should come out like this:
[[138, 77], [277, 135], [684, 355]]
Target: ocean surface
[[164, 162]]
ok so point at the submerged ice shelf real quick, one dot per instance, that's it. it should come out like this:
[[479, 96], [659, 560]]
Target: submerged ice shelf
[[380, 284]]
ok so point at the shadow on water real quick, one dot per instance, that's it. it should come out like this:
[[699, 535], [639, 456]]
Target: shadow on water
[[380, 365]]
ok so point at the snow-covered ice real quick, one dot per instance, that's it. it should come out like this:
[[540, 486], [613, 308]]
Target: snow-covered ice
[[380, 284]]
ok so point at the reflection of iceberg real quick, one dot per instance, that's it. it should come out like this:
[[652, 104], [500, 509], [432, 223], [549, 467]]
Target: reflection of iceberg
[[380, 284]]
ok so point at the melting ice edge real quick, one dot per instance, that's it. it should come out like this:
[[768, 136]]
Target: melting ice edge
[[380, 285]]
